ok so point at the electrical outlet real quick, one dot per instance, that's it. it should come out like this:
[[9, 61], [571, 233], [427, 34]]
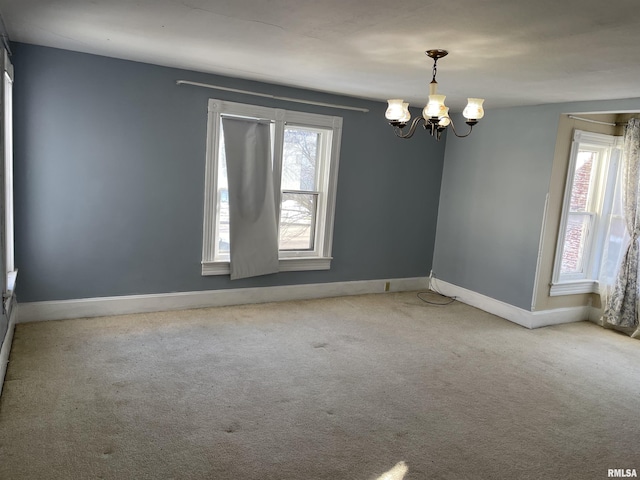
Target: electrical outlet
[[387, 285]]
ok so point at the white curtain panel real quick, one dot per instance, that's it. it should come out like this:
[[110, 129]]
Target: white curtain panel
[[615, 247], [621, 307], [253, 232]]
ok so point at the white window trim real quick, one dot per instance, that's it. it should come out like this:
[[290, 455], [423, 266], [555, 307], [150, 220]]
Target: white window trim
[[574, 287], [10, 273], [321, 258], [587, 282]]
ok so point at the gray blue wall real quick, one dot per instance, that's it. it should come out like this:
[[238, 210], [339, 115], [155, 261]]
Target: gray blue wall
[[492, 199], [109, 176]]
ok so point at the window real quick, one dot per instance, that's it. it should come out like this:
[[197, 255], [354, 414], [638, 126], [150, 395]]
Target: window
[[587, 212], [7, 222], [305, 157]]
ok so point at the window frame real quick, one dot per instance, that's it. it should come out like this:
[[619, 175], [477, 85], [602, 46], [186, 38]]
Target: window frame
[[606, 169], [7, 221], [320, 186], [289, 260]]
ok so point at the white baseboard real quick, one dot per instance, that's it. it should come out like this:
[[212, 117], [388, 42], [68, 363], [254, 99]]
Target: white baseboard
[[104, 306], [544, 318], [512, 313], [6, 344]]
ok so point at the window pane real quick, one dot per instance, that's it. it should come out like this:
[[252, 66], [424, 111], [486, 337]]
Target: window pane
[[222, 228], [575, 240], [297, 221], [582, 181], [300, 158]]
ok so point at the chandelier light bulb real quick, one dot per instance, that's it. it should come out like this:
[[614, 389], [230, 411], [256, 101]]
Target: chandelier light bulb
[[406, 115], [444, 119], [395, 110], [435, 107], [474, 110]]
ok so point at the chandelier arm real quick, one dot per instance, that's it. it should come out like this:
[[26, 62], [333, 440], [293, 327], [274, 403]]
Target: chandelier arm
[[453, 127], [399, 133]]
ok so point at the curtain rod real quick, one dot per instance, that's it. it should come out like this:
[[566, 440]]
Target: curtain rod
[[275, 97], [597, 121]]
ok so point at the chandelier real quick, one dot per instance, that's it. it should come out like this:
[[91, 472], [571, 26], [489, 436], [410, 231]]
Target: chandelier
[[435, 114]]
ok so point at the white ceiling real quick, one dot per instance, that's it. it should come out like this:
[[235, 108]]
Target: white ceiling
[[511, 52]]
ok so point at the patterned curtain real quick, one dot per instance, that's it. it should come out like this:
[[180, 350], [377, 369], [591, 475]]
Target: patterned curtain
[[621, 308]]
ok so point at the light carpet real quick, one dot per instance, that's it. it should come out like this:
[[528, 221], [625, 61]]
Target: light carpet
[[342, 388]]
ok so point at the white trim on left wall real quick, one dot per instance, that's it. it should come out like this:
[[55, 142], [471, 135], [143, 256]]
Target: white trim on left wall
[[6, 344], [105, 306]]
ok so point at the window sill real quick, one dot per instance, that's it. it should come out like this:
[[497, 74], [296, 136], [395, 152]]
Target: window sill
[[286, 265], [574, 288]]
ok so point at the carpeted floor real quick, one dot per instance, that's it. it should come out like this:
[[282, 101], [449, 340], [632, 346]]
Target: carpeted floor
[[336, 389]]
